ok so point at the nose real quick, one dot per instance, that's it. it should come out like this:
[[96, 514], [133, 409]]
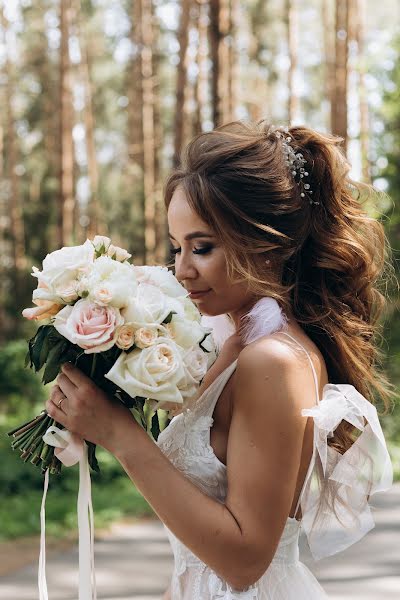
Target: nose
[[184, 268]]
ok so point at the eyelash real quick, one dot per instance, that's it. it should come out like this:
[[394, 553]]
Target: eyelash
[[195, 251]]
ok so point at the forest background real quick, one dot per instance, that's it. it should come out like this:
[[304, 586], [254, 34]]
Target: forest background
[[97, 99]]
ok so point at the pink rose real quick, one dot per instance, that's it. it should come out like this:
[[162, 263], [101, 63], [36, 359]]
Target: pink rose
[[90, 326]]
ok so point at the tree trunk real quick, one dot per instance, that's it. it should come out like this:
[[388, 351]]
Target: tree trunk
[[364, 112], [214, 32], [291, 27], [161, 225], [135, 142], [224, 59], [233, 59], [148, 130], [329, 71], [67, 201], [339, 96], [201, 91], [181, 80], [95, 224], [10, 168]]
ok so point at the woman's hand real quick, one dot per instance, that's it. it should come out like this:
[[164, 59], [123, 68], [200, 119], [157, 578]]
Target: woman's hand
[[83, 408]]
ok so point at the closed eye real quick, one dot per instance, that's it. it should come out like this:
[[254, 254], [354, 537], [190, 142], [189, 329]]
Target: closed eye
[[195, 250]]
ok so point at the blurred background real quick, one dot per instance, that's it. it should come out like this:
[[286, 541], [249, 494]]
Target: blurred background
[[97, 99]]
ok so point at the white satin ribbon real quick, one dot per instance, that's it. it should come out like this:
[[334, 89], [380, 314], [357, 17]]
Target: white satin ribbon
[[70, 449], [334, 506]]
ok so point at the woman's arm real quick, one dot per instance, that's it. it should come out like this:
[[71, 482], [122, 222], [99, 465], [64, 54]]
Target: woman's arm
[[237, 539]]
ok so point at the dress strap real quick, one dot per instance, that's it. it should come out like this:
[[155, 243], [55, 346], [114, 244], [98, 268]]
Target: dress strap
[[317, 396], [311, 363]]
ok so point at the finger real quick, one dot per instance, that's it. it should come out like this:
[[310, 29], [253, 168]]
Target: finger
[[55, 390], [75, 375], [56, 413], [59, 399], [66, 385]]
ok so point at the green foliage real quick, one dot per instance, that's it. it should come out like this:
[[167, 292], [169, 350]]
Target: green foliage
[[20, 388], [21, 486]]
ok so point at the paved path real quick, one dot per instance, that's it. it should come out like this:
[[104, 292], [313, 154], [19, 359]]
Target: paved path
[[133, 562]]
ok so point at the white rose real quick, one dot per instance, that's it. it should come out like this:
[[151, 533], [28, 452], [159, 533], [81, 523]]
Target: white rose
[[210, 348], [125, 336], [192, 313], [110, 282], [69, 293], [62, 269], [146, 336], [117, 253], [150, 306], [195, 364], [163, 278], [185, 333], [151, 373]]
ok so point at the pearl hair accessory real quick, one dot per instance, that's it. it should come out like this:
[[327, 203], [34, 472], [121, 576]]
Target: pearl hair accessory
[[295, 162]]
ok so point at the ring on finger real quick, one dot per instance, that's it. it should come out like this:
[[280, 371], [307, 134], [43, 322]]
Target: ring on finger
[[61, 401]]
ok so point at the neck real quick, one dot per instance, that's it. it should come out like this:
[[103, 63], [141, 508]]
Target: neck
[[236, 315]]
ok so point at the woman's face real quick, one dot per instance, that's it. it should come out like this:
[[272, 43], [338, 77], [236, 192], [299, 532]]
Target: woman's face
[[200, 263]]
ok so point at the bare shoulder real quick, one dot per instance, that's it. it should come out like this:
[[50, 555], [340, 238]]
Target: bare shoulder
[[274, 367], [269, 352]]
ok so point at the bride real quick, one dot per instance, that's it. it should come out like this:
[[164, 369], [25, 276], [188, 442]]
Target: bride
[[271, 240]]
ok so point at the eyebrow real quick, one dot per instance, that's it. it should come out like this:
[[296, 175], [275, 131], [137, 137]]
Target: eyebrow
[[194, 234]]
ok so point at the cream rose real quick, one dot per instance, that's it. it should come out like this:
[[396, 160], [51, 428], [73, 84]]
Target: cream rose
[[152, 372], [125, 336], [117, 253], [101, 243], [90, 326], [44, 310], [145, 336]]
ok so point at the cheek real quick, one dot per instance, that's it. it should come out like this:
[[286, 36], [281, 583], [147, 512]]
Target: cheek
[[215, 272]]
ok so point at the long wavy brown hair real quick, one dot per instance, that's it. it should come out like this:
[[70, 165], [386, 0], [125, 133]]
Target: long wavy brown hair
[[333, 258]]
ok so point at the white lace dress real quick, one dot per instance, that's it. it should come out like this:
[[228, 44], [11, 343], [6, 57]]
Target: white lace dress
[[186, 442]]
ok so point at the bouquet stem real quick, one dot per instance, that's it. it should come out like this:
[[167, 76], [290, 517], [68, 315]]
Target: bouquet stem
[[28, 438]]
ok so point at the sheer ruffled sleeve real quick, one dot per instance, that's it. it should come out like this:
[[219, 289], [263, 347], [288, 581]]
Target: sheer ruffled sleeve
[[334, 504]]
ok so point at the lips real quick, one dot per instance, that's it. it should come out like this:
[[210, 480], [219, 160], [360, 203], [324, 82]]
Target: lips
[[198, 294]]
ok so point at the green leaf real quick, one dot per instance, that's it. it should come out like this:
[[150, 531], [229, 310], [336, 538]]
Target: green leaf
[[200, 343], [37, 357], [53, 363], [92, 460], [155, 426], [148, 415], [139, 417], [28, 359], [169, 317]]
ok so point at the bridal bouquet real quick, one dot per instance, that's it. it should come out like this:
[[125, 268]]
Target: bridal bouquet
[[131, 329]]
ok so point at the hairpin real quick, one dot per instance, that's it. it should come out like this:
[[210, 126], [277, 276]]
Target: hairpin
[[296, 163]]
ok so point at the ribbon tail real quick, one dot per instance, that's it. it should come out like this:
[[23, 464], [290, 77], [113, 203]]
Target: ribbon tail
[[87, 585], [42, 584]]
